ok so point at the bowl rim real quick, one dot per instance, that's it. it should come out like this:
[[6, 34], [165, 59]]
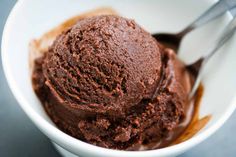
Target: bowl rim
[[58, 136]]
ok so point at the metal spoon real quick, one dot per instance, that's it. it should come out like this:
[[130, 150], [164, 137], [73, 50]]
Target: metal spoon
[[174, 40], [197, 67]]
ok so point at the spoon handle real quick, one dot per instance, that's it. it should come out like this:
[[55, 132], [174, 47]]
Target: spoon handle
[[223, 38], [215, 11]]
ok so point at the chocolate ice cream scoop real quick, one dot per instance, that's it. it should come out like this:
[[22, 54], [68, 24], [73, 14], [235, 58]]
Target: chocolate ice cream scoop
[[110, 83], [104, 64]]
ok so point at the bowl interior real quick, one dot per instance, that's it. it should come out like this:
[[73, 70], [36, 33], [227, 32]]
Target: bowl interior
[[30, 19]]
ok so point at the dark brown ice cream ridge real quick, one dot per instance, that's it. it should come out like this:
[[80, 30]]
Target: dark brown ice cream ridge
[[108, 82]]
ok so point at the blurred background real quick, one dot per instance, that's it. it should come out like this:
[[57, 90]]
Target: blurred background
[[20, 138]]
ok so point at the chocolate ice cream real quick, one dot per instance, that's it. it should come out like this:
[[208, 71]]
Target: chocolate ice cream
[[108, 82]]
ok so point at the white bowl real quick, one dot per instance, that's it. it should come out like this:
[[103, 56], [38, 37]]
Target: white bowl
[[30, 19]]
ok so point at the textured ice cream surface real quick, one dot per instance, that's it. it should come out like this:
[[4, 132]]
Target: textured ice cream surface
[[108, 82]]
